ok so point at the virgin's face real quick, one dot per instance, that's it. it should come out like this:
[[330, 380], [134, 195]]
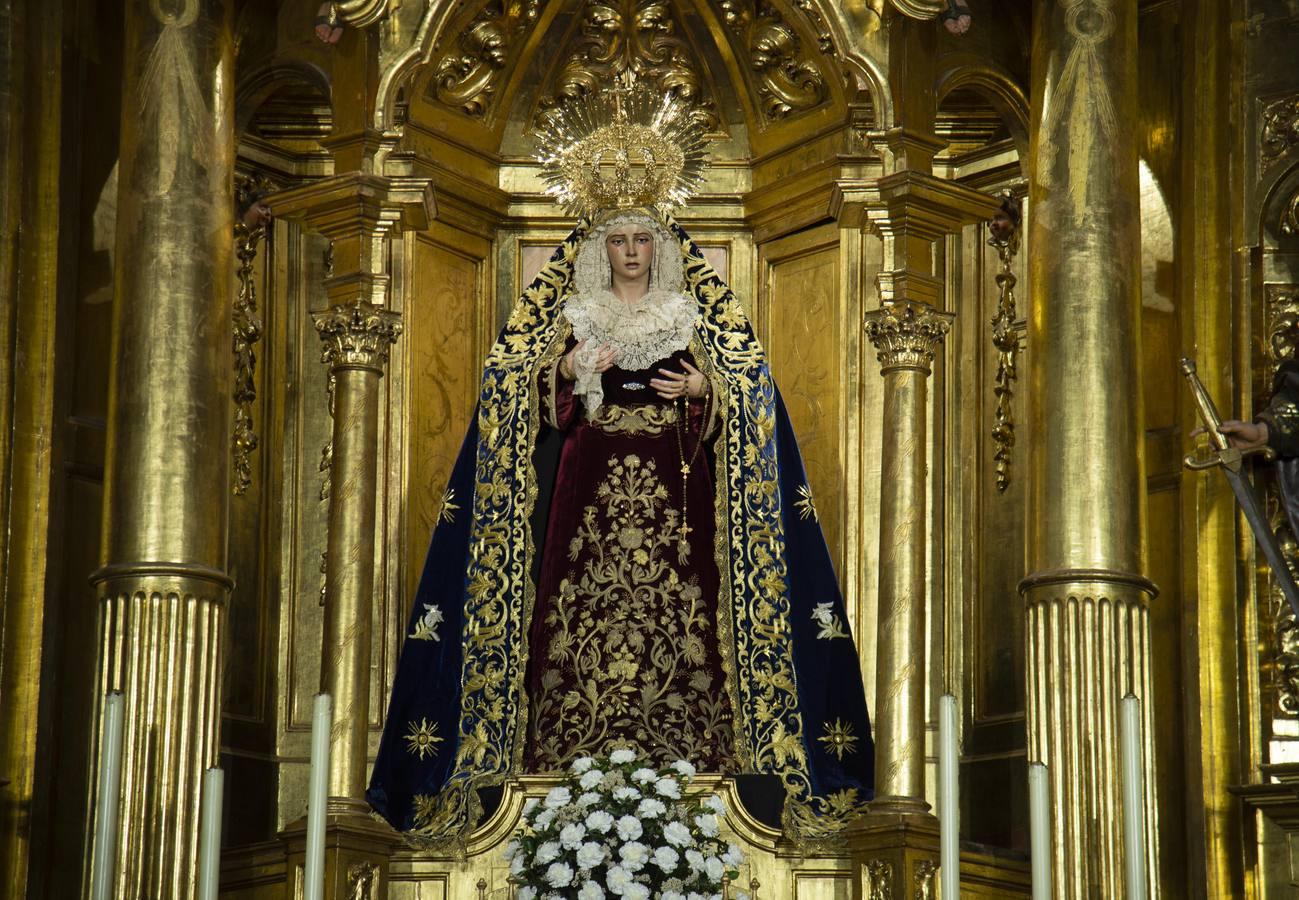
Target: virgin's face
[[631, 250]]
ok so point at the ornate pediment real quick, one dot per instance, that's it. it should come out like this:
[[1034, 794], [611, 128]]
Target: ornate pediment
[[785, 72], [644, 37]]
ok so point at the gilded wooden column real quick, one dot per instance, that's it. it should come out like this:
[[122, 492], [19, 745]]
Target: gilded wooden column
[[163, 583], [905, 334], [356, 338], [1086, 597], [359, 213]]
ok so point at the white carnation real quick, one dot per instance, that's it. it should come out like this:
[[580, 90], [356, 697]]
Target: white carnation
[[626, 793], [546, 853], [599, 820], [733, 857], [668, 787], [716, 804], [571, 835], [590, 855], [529, 805], [695, 860], [635, 891], [543, 819], [617, 879], [590, 798], [650, 808], [644, 775], [678, 834], [714, 869], [672, 895], [527, 893], [590, 891], [634, 855], [666, 859], [518, 864], [590, 779], [684, 768], [707, 824], [558, 797], [582, 764], [511, 850], [622, 757], [629, 828], [559, 875]]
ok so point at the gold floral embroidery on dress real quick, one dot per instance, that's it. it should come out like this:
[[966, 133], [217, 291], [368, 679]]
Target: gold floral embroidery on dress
[[628, 655], [830, 627], [649, 418], [838, 738], [426, 629]]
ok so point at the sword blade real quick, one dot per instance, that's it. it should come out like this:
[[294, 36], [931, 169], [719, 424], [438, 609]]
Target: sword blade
[[1252, 506]]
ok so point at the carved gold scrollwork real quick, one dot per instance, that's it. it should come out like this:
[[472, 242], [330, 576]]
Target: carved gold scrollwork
[[1289, 225], [1004, 236], [1282, 312], [361, 879], [787, 81], [640, 36], [906, 335], [878, 874], [357, 335], [924, 876], [247, 331], [1280, 128], [824, 40], [467, 76]]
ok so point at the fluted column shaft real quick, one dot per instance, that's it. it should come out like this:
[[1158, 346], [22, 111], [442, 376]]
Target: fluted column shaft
[[1086, 596], [163, 585]]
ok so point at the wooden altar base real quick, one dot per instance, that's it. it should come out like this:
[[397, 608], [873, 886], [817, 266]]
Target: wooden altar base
[[367, 860]]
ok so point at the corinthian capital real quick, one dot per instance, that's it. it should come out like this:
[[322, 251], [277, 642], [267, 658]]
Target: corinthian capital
[[357, 335], [906, 335]]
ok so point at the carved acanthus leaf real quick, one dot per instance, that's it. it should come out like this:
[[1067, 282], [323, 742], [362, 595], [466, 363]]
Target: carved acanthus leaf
[[1006, 338], [640, 36], [1280, 128], [788, 80], [357, 335], [906, 335], [466, 78]]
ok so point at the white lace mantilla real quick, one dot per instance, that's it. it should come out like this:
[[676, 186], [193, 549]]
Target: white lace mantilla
[[642, 334]]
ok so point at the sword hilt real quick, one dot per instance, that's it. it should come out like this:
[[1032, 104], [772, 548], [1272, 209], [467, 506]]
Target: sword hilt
[[1208, 412], [1224, 454]]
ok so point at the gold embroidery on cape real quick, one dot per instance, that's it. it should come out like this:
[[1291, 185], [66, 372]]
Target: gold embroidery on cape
[[649, 418], [629, 628]]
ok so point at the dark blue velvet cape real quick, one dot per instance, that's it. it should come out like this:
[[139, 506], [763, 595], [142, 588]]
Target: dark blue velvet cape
[[457, 717]]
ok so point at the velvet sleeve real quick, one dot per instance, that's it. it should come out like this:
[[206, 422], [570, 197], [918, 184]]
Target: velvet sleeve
[[1282, 412], [558, 405]]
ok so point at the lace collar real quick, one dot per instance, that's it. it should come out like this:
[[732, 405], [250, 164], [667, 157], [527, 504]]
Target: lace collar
[[658, 326]]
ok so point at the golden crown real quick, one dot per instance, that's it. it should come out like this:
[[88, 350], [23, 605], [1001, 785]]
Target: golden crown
[[623, 147]]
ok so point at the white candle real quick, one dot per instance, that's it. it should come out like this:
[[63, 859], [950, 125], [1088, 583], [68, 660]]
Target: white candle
[[949, 800], [104, 867], [1039, 819], [322, 719], [209, 841], [1134, 810]]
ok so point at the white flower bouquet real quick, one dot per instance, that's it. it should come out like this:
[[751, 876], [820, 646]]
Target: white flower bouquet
[[618, 828]]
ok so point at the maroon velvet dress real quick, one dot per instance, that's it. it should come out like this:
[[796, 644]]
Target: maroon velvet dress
[[623, 648]]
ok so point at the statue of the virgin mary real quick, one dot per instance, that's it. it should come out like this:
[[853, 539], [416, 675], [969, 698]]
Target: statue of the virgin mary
[[633, 560]]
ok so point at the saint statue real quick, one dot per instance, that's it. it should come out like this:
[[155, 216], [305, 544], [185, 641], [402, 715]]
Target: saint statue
[[628, 554]]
